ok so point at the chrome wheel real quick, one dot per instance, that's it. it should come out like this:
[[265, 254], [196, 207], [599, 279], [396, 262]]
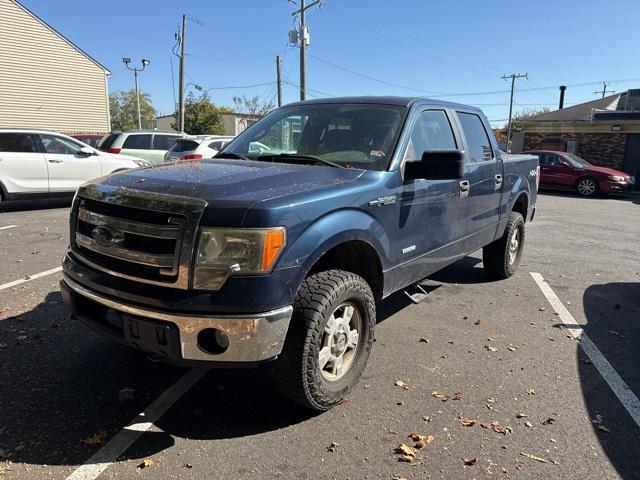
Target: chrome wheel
[[514, 244], [587, 186], [339, 342]]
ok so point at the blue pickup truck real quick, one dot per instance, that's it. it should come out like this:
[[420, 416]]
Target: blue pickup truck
[[277, 251]]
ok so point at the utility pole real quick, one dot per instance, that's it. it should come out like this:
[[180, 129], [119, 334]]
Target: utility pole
[[278, 81], [513, 77], [135, 70], [303, 38], [183, 34], [604, 90]]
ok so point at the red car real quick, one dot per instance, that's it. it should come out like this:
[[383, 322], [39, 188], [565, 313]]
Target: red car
[[90, 139], [568, 171]]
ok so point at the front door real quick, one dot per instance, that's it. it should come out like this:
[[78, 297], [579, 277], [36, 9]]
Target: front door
[[555, 172], [68, 168], [23, 168], [484, 172]]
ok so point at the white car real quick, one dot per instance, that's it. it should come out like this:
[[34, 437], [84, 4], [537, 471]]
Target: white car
[[36, 163], [196, 147]]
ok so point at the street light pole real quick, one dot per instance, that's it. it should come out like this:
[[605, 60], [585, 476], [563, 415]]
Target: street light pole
[[135, 71]]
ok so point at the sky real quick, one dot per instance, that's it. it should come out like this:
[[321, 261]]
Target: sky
[[455, 50]]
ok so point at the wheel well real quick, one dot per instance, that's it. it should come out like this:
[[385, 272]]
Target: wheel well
[[521, 205], [357, 257]]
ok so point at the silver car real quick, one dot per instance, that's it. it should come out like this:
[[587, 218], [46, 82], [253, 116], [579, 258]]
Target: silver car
[[196, 147]]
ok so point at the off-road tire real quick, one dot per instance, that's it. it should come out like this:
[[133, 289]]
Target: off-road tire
[[496, 257], [296, 373]]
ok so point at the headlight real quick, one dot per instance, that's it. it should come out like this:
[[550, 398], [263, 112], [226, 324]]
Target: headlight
[[142, 163], [235, 251], [615, 178]]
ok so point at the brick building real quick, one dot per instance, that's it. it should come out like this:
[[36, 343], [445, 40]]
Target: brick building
[[604, 132]]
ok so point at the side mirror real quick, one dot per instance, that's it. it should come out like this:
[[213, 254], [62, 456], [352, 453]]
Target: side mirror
[[436, 165], [85, 152]]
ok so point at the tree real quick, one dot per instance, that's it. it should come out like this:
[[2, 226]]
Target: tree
[[252, 105], [517, 120], [201, 116], [124, 110]]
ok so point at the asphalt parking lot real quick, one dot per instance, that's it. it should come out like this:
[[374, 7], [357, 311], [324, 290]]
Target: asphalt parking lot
[[487, 372]]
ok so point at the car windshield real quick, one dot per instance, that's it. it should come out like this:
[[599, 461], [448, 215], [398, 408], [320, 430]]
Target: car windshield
[[577, 161], [349, 135]]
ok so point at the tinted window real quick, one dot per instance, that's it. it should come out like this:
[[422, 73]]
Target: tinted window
[[477, 138], [163, 142], [218, 144], [185, 146], [18, 143], [432, 131], [548, 159], [59, 145], [106, 141], [141, 142]]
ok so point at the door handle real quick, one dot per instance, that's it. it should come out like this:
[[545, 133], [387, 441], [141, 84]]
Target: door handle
[[55, 160], [464, 188], [498, 178]]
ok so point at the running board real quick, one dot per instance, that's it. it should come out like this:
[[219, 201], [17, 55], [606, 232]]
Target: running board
[[417, 296]]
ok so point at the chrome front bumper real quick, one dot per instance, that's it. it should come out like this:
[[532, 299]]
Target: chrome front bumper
[[251, 338]]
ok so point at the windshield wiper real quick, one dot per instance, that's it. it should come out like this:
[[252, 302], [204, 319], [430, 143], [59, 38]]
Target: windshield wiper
[[237, 156], [300, 156]]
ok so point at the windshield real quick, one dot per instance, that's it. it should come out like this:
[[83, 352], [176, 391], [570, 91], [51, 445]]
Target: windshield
[[350, 135], [577, 161]]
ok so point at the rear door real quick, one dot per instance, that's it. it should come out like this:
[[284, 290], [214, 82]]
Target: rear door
[[138, 145], [160, 145], [23, 168], [484, 172], [68, 168]]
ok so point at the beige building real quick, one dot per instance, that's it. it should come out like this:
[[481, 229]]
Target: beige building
[[45, 80]]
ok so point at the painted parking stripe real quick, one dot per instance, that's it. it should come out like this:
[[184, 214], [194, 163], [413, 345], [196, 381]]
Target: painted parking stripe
[[8, 226], [28, 278], [620, 389], [115, 447]]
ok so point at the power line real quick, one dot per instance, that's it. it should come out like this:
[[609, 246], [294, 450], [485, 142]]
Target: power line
[[233, 59]]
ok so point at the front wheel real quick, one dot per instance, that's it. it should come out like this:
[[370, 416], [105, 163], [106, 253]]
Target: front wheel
[[329, 340], [587, 187], [501, 258]]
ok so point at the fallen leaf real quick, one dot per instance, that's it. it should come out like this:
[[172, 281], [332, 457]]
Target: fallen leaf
[[405, 450], [521, 415], [603, 428], [533, 457], [467, 422], [496, 427], [479, 321], [97, 439], [512, 349], [548, 421], [333, 446], [427, 418], [457, 396], [187, 465], [490, 348], [529, 424], [423, 340], [531, 391], [147, 462], [398, 477], [439, 395], [126, 393], [542, 309], [470, 461], [405, 458], [402, 384]]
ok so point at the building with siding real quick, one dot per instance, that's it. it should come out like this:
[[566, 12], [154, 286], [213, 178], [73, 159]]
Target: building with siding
[[46, 81], [605, 132]]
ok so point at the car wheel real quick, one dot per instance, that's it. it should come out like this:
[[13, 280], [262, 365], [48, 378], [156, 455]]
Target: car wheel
[[587, 186], [501, 258], [328, 342]]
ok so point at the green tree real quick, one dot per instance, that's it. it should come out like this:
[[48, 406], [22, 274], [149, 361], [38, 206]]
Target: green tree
[[252, 105], [201, 116], [124, 110]]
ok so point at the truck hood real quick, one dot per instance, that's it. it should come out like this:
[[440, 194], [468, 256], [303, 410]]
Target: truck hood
[[231, 187]]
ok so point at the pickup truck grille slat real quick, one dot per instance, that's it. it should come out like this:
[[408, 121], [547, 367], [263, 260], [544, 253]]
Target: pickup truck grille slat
[[153, 260]]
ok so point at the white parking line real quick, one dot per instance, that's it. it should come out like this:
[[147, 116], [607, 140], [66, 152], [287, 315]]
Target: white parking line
[[620, 389], [28, 278], [8, 226], [115, 447]]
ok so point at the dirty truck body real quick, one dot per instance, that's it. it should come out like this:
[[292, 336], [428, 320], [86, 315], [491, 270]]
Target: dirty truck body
[[278, 251]]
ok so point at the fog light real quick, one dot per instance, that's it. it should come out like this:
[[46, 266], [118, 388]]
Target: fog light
[[213, 341]]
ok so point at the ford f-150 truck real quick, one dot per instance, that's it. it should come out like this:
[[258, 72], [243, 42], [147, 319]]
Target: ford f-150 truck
[[278, 250]]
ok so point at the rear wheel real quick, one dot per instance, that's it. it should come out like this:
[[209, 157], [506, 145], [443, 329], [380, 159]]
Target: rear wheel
[[329, 340], [501, 258], [587, 186]]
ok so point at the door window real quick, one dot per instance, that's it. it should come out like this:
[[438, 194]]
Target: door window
[[550, 160], [138, 142], [59, 145], [18, 143], [478, 141], [431, 131], [163, 142]]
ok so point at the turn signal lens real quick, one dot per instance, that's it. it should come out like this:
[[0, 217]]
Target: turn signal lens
[[273, 243]]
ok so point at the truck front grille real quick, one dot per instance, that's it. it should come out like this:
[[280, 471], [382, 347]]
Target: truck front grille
[[151, 245]]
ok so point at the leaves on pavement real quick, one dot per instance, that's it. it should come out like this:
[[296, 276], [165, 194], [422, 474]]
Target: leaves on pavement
[[467, 422], [402, 384], [97, 439]]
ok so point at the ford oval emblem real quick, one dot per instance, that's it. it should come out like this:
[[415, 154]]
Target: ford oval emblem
[[107, 236]]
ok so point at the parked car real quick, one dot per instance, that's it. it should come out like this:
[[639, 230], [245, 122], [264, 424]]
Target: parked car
[[150, 145], [196, 147], [35, 163], [281, 256], [90, 139], [563, 170]]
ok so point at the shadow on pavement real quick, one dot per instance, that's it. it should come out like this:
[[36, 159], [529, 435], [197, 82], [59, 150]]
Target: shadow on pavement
[[43, 204], [467, 270], [613, 324]]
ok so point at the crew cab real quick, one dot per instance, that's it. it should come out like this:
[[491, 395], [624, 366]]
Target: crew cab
[[278, 251]]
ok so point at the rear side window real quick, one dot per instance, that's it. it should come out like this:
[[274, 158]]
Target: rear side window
[[163, 142], [478, 141], [140, 142], [185, 146], [218, 144], [432, 131], [106, 141], [18, 143]]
